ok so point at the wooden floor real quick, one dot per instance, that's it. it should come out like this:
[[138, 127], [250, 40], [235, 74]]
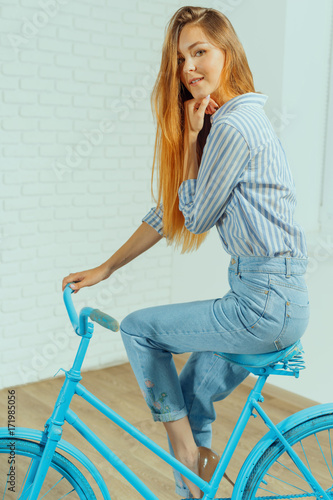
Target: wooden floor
[[117, 387]]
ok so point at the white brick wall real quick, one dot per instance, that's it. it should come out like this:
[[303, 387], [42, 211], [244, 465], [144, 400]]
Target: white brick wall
[[77, 138]]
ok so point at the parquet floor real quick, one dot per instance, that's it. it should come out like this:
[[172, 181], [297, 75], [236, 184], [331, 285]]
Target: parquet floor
[[117, 387]]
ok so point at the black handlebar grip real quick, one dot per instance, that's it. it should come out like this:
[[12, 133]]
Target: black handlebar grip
[[104, 320]]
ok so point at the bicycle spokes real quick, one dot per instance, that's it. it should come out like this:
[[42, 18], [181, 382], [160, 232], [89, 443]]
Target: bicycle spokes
[[283, 480]]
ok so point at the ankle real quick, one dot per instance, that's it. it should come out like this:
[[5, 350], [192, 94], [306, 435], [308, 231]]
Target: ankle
[[189, 457]]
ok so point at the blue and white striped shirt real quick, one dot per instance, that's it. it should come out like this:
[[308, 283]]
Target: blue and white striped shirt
[[244, 186]]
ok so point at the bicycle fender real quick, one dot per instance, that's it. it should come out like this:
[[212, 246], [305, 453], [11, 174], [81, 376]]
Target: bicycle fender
[[264, 443], [36, 435]]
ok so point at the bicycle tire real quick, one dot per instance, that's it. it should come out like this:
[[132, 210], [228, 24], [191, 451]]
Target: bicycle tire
[[62, 474], [275, 476]]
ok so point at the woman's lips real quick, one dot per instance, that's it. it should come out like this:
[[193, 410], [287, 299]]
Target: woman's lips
[[196, 83]]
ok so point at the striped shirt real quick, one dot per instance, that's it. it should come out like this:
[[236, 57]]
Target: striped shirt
[[244, 186]]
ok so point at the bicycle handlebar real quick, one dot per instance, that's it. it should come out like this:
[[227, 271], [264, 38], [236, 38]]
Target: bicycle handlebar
[[104, 320], [70, 308], [95, 314]]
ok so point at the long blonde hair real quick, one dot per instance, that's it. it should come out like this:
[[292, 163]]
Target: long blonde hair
[[167, 101]]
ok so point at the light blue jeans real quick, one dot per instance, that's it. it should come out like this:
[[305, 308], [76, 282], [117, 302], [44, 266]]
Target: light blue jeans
[[266, 309]]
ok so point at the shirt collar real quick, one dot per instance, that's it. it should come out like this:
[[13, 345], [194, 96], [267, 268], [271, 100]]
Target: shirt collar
[[239, 100]]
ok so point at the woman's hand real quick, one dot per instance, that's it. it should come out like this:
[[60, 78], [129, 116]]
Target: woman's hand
[[195, 111], [86, 278]]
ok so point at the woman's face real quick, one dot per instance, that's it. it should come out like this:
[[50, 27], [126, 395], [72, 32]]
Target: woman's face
[[203, 60]]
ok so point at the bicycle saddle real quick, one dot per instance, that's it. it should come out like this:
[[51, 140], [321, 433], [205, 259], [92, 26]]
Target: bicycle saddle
[[263, 360]]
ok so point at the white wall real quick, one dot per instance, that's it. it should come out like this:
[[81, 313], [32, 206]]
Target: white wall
[[77, 139], [305, 96], [81, 65]]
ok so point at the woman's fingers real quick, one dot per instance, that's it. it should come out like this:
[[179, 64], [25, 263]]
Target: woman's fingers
[[86, 278], [212, 107], [194, 114], [76, 277], [195, 111], [77, 286], [213, 102]]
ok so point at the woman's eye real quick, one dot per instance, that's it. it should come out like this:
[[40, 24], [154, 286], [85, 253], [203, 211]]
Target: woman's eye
[[181, 59]]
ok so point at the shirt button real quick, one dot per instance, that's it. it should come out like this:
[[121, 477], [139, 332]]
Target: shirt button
[[233, 261], [288, 303]]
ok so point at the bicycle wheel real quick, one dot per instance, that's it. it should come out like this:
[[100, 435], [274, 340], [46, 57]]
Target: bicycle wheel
[[63, 478], [275, 476]]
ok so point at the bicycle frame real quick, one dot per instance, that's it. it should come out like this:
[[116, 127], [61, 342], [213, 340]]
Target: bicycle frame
[[53, 431]]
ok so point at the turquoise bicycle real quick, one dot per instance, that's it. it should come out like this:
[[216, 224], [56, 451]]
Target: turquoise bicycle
[[293, 460]]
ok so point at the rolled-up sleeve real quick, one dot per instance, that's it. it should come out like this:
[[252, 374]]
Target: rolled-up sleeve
[[154, 218], [225, 157]]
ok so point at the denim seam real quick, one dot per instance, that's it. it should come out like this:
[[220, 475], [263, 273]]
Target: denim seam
[[290, 286], [183, 492], [209, 332], [246, 329], [277, 341], [263, 313], [202, 382], [175, 334], [163, 417], [168, 417], [269, 258], [253, 288], [244, 270]]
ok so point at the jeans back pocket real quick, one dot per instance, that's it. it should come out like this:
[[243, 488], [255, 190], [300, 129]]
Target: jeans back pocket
[[296, 320]]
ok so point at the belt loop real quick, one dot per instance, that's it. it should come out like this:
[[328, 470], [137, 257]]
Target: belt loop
[[288, 267], [237, 264]]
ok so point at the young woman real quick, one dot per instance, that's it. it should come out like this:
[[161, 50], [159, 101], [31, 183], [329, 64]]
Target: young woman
[[220, 164]]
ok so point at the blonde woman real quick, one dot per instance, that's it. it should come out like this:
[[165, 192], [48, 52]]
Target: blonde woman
[[220, 164]]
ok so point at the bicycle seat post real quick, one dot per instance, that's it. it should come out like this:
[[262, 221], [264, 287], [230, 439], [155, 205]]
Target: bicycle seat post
[[255, 393]]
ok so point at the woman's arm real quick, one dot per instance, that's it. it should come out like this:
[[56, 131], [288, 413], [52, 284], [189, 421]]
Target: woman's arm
[[140, 241], [155, 218], [202, 200], [190, 156]]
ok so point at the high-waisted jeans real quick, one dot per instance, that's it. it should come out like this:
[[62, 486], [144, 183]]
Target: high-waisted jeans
[[266, 309]]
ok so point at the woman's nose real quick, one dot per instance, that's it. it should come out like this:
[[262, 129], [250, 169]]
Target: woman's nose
[[188, 66]]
